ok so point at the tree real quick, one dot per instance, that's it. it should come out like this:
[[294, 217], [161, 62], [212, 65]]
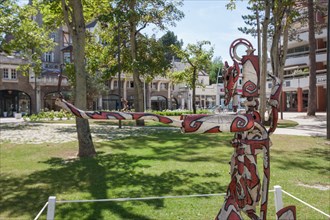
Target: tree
[[312, 60], [198, 59], [139, 14], [277, 18], [261, 14], [215, 69], [104, 57], [283, 15], [133, 16], [9, 22], [264, 58], [72, 14], [74, 19], [167, 40], [20, 32]]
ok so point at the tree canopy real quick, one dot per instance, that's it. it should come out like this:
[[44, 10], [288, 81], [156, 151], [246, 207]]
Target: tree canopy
[[198, 59], [20, 32]]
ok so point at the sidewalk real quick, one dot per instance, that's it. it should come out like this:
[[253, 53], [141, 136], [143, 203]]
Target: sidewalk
[[308, 125]]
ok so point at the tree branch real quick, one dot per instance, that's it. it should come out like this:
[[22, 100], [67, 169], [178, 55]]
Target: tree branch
[[144, 26], [65, 10]]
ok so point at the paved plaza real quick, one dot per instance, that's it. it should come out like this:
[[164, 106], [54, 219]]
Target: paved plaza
[[18, 131]]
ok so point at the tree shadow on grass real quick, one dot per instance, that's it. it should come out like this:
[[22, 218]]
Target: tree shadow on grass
[[306, 160], [104, 176], [172, 145]]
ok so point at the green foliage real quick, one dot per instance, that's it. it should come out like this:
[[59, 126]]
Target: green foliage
[[8, 22], [197, 58], [216, 68], [152, 60], [167, 40], [257, 15], [28, 37], [49, 116]]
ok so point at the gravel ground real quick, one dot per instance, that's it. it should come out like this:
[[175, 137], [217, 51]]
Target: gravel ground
[[36, 133], [19, 131]]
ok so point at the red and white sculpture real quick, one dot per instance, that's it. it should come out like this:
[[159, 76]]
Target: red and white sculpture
[[246, 190]]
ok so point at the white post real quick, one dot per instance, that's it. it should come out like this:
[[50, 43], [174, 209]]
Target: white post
[[51, 208], [278, 198]]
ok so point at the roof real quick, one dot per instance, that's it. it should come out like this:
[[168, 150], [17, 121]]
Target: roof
[[91, 24], [179, 66], [67, 48]]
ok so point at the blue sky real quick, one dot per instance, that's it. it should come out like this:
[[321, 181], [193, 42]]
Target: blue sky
[[210, 20]]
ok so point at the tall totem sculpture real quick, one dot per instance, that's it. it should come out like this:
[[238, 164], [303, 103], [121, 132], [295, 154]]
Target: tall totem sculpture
[[245, 190]]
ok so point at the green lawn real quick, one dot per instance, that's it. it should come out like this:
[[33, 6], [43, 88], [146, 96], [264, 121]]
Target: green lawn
[[159, 163]]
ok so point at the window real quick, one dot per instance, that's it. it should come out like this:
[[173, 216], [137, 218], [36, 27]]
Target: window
[[5, 73], [154, 85], [287, 83], [130, 84], [115, 84], [163, 86], [49, 57], [67, 57], [299, 49], [9, 74], [13, 74], [53, 36]]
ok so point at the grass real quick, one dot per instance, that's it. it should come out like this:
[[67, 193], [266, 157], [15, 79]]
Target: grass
[[283, 123], [161, 162]]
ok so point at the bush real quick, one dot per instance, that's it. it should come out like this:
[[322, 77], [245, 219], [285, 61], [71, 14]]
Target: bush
[[49, 115]]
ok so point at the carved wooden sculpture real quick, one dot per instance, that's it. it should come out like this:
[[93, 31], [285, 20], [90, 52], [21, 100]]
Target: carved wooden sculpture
[[245, 190]]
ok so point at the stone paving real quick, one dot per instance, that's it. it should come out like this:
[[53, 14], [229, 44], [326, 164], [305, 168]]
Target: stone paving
[[17, 131], [36, 133]]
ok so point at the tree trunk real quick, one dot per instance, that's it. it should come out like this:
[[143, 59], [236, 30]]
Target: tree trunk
[[138, 98], [263, 75], [311, 109], [194, 91], [77, 30], [276, 47]]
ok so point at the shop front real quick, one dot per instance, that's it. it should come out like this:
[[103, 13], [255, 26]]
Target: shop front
[[14, 101]]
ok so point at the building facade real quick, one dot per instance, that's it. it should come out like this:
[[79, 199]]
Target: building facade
[[27, 94], [296, 70], [160, 94]]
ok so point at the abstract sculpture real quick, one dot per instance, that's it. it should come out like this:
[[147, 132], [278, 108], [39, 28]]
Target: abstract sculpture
[[245, 190]]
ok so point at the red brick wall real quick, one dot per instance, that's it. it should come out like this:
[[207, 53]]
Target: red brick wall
[[321, 99]]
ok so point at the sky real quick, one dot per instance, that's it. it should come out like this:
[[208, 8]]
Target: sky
[[210, 20]]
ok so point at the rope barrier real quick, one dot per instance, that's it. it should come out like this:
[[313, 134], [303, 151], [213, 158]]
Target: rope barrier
[[305, 203], [168, 197], [43, 208]]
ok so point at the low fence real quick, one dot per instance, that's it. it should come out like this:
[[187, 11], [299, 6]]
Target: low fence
[[278, 191]]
